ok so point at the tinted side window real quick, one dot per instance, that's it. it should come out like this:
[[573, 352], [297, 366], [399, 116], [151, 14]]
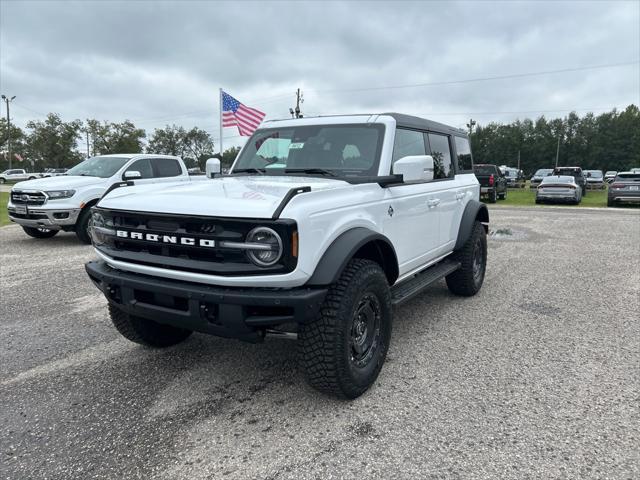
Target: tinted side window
[[441, 153], [408, 142], [143, 166], [464, 154], [166, 167]]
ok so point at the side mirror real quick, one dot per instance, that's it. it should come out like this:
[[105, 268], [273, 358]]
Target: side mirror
[[131, 175], [414, 168], [213, 167]]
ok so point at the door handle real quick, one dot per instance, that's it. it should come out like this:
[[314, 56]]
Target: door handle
[[433, 202], [460, 195]]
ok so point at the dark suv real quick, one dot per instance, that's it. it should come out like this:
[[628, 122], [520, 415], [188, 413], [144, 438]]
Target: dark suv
[[575, 172], [624, 189]]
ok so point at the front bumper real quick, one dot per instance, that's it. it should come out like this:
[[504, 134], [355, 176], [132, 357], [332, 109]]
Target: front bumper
[[242, 313], [36, 216]]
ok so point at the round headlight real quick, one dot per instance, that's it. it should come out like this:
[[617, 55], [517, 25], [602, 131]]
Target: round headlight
[[272, 250]]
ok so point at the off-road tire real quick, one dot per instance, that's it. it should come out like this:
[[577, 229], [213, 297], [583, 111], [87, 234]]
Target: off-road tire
[[467, 281], [40, 233], [503, 196], [82, 226], [2, 180], [610, 203], [146, 332], [326, 343], [493, 196]]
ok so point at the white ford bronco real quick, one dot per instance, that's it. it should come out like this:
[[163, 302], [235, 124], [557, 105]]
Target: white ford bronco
[[320, 228], [45, 206]]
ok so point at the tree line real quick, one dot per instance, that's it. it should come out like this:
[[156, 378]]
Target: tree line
[[53, 143], [609, 141]]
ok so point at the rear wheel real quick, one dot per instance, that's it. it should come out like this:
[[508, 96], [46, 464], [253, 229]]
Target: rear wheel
[[493, 197], [343, 349], [40, 232], [2, 180], [146, 332], [503, 195], [610, 203], [468, 279], [82, 226]]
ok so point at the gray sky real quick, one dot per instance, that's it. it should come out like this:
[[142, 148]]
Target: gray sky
[[163, 62]]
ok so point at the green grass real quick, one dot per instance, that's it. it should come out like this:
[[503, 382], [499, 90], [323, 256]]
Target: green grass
[[527, 197], [4, 217]]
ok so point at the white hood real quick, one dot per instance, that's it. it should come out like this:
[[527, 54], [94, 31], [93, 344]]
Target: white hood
[[242, 196], [59, 183]]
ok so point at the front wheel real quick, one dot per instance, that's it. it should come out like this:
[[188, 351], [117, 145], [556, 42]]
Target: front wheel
[[342, 351], [467, 280], [82, 226], [2, 180], [146, 332], [40, 232]]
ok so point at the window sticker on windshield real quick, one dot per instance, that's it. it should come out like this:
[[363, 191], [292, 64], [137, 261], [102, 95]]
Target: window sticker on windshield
[[296, 145]]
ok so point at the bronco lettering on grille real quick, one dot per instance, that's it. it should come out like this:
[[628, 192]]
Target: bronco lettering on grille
[[173, 239]]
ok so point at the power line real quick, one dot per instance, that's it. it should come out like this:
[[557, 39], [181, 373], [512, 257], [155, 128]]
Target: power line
[[481, 79]]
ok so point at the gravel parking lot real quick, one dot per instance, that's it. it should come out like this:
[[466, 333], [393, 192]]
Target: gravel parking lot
[[536, 377]]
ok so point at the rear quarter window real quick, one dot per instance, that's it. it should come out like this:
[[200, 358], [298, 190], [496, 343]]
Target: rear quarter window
[[463, 153]]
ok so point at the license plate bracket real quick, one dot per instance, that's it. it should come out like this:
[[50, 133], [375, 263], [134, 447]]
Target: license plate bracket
[[21, 209]]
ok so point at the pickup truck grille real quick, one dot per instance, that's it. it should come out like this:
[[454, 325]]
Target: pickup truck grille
[[157, 240], [18, 197]]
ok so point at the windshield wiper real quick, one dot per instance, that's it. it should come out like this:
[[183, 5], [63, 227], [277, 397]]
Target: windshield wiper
[[259, 171], [312, 171]]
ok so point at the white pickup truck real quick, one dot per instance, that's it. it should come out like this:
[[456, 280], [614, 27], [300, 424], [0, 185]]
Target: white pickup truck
[[45, 206], [17, 175], [320, 228]]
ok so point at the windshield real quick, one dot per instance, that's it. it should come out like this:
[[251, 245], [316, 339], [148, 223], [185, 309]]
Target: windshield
[[595, 173], [103, 167], [485, 170], [543, 172], [334, 150]]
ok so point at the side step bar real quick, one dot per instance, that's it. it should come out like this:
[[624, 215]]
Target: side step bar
[[408, 289]]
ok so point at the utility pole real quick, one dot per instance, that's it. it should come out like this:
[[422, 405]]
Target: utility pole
[[470, 125], [299, 99], [8, 101], [518, 160], [558, 151], [87, 132]]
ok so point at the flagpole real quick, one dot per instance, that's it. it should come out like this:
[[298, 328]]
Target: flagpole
[[221, 125]]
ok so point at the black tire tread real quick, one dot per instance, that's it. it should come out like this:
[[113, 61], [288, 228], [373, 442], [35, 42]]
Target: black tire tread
[[461, 281], [319, 341], [81, 226], [146, 332], [35, 233]]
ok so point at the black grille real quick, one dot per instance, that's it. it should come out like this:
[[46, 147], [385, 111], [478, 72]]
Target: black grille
[[193, 258], [27, 198]]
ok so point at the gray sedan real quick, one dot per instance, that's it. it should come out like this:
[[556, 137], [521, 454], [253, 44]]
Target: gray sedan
[[624, 189], [559, 188]]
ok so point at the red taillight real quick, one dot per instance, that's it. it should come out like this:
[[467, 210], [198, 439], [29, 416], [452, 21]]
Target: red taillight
[[617, 185], [491, 180]]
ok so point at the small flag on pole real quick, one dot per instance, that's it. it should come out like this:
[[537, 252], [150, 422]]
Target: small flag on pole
[[247, 119], [18, 157]]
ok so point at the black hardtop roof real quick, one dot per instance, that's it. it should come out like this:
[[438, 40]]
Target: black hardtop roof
[[409, 121]]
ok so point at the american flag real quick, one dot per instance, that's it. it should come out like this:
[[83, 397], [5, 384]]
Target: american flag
[[246, 118]]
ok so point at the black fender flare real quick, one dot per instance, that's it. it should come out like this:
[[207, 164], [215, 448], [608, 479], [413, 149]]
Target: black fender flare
[[371, 244], [473, 211]]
